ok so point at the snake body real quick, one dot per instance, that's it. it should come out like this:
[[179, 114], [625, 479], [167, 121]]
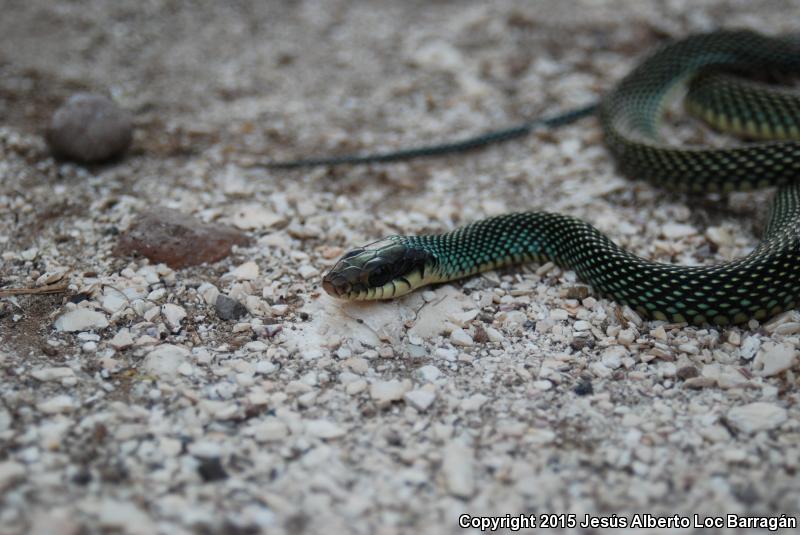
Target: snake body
[[759, 285]]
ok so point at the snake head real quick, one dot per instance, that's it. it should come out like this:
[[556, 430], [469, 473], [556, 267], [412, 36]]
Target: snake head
[[381, 270]]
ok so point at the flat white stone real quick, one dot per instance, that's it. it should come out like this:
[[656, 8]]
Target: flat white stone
[[773, 359], [612, 357], [307, 271], [113, 301], [164, 361], [758, 416], [173, 316], [57, 404], [53, 374], [677, 230], [474, 402], [81, 319], [122, 339], [10, 473], [324, 429], [458, 469], [460, 337], [245, 272], [388, 391], [421, 399], [428, 373]]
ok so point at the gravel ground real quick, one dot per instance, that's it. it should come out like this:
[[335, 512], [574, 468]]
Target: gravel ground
[[129, 405]]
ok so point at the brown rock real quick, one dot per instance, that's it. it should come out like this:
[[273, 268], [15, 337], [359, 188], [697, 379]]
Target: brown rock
[[178, 240]]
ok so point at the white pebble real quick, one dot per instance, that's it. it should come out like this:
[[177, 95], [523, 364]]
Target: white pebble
[[245, 272], [749, 347], [428, 373], [612, 357], [474, 402], [582, 325], [57, 404], [420, 399], [677, 230], [384, 392], [122, 339], [81, 319], [53, 374], [270, 430], [173, 316], [460, 337], [306, 271], [458, 469], [758, 416], [775, 358], [164, 361], [324, 429], [10, 473]]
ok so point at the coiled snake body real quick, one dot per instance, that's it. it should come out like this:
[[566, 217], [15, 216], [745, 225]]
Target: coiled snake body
[[759, 285]]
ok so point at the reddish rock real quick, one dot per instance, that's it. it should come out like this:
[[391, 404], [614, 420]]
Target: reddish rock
[[177, 239]]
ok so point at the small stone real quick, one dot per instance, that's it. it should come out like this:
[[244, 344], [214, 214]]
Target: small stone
[[773, 359], [612, 357], [460, 337], [758, 416], [687, 372], [385, 392], [57, 404], [173, 316], [584, 388], [270, 430], [89, 128], [119, 516], [582, 325], [121, 340], [10, 473], [421, 399], [178, 240], [165, 360], [428, 373], [255, 216], [474, 402], [209, 293], [81, 319], [542, 384], [458, 469], [599, 369], [306, 271], [677, 230], [696, 383], [324, 429], [246, 272], [749, 347], [53, 374], [113, 301], [229, 309], [211, 469]]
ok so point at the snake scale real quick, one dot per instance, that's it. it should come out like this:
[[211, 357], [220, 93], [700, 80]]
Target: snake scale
[[756, 286]]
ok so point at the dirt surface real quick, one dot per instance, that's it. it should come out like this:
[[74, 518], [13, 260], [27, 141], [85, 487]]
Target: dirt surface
[[127, 404]]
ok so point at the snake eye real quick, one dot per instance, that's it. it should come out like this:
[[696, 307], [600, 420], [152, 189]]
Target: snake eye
[[380, 275]]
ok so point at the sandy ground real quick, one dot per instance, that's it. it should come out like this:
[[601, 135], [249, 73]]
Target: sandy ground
[[511, 393]]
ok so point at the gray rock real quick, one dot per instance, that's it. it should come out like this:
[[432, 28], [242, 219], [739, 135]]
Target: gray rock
[[229, 309], [89, 128]]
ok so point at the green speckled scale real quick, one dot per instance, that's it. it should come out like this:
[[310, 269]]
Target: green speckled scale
[[762, 284]]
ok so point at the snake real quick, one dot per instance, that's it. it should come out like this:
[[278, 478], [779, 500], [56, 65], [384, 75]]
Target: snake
[[722, 75]]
